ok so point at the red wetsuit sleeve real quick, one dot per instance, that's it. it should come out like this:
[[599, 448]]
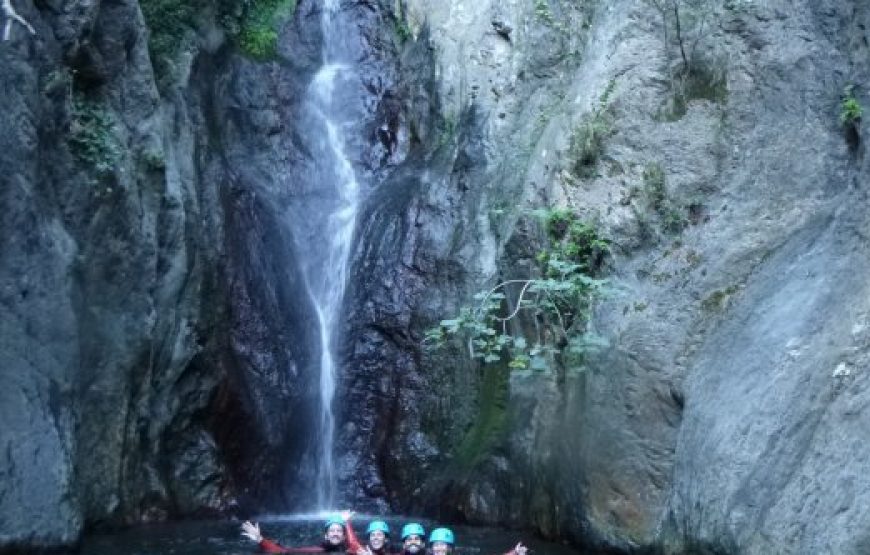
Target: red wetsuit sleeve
[[269, 546], [353, 544]]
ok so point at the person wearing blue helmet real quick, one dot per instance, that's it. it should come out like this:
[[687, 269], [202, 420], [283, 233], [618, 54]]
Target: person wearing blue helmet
[[413, 539], [338, 537], [442, 541], [378, 533]]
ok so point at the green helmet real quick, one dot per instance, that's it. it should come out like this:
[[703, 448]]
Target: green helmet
[[378, 526], [334, 519], [442, 535], [412, 529]]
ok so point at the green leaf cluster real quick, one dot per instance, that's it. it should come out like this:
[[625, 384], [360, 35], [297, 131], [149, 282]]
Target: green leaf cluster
[[573, 241], [92, 137], [850, 108], [557, 302], [258, 33], [172, 25]]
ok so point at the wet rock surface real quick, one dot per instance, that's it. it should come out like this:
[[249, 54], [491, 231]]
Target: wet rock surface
[[720, 406], [158, 359]]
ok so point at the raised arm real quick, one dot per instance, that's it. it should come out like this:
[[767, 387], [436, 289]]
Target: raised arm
[[353, 544], [519, 549]]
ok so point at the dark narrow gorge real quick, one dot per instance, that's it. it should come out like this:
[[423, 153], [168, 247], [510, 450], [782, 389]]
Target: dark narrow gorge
[[595, 270]]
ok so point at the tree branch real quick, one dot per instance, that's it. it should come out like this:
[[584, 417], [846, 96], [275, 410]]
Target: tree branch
[[519, 303], [11, 16], [482, 306]]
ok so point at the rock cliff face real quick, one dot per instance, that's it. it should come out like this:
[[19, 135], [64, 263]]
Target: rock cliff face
[[724, 413], [154, 345], [158, 356]]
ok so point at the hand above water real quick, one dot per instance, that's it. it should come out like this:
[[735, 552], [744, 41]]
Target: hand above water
[[346, 515], [252, 531], [520, 549]]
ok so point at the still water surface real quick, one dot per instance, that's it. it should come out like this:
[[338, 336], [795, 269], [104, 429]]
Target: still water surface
[[223, 538]]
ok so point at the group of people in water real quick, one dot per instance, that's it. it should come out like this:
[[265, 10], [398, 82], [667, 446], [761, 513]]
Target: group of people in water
[[339, 537]]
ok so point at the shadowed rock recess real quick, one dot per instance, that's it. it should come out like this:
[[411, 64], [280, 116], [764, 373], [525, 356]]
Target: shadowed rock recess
[[158, 356]]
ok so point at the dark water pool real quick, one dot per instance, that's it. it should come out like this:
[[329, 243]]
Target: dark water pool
[[223, 538]]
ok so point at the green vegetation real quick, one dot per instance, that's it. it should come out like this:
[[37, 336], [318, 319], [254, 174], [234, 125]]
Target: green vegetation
[[654, 186], [491, 418], [574, 241], [401, 26], [569, 16], [92, 137], [850, 108], [587, 142], [448, 130], [258, 33], [403, 30], [542, 12], [154, 160], [718, 300], [558, 301], [673, 217], [172, 24], [697, 83], [685, 25]]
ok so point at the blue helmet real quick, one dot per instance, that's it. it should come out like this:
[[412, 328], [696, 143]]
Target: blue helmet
[[442, 535], [334, 519], [378, 526], [412, 529]]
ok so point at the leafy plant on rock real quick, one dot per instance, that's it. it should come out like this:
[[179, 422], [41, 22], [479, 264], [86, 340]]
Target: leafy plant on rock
[[252, 23], [850, 108], [170, 23], [555, 305], [587, 141], [92, 137], [258, 34]]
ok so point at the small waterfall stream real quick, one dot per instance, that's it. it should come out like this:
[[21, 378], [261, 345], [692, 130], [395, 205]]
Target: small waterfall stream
[[327, 265]]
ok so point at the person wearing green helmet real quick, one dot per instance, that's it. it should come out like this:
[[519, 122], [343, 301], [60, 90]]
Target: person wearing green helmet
[[338, 537], [442, 541], [413, 538]]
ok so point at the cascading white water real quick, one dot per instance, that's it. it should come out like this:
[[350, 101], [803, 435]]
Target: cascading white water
[[326, 272]]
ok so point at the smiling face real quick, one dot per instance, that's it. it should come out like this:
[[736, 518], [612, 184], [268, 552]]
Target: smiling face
[[413, 544], [377, 539], [334, 535], [440, 548]]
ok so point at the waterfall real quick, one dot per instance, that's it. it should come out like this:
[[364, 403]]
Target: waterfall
[[329, 245]]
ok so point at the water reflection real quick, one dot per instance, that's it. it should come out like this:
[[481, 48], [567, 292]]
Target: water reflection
[[223, 538]]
